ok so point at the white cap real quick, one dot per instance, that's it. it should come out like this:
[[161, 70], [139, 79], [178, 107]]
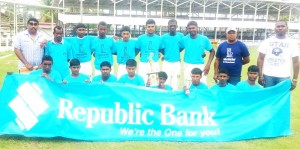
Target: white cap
[[231, 29]]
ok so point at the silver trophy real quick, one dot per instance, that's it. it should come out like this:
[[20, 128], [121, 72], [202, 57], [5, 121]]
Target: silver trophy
[[152, 73], [186, 87]]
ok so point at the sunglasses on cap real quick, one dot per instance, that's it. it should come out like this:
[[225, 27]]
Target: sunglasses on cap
[[32, 23]]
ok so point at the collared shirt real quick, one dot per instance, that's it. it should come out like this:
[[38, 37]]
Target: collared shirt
[[61, 53], [31, 49]]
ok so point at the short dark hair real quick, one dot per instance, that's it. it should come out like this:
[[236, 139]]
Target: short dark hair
[[80, 25], [162, 74], [192, 23], [282, 21], [102, 23], [253, 68], [150, 21], [47, 58], [125, 28], [33, 19], [196, 71], [172, 21], [57, 27], [222, 70], [74, 62], [131, 63], [105, 63]]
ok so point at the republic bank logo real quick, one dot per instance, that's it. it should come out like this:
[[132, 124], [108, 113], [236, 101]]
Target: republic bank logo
[[28, 105]]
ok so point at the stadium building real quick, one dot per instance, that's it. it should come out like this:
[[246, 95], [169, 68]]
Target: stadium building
[[253, 18]]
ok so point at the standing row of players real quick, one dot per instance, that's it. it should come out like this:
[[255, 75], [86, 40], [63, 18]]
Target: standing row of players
[[231, 55], [148, 45]]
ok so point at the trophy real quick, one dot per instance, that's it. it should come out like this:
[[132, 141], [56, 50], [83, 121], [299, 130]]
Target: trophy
[[152, 73], [186, 87]]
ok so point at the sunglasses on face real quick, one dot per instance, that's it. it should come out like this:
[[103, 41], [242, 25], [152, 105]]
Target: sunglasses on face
[[33, 23]]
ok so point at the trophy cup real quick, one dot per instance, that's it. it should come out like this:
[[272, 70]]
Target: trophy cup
[[152, 73], [186, 87]]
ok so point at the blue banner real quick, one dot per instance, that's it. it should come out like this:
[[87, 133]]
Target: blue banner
[[35, 107]]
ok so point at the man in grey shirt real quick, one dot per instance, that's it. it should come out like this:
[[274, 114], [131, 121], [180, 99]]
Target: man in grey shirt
[[29, 46]]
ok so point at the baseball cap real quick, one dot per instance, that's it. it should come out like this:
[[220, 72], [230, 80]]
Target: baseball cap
[[231, 29]]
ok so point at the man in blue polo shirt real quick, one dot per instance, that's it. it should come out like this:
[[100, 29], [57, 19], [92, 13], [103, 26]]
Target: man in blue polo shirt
[[103, 47], [195, 46], [60, 51], [105, 68], [148, 45], [231, 55], [81, 46], [171, 50], [125, 49]]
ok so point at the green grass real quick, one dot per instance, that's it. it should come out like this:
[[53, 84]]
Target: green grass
[[289, 142]]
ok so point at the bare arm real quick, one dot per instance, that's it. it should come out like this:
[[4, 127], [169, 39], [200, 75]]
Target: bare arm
[[207, 66], [216, 68], [22, 59], [295, 71], [246, 60], [260, 63]]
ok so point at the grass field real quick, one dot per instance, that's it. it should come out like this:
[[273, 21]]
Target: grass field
[[289, 142]]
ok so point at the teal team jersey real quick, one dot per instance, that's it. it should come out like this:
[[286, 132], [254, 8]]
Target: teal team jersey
[[149, 44], [54, 75], [201, 86], [112, 78], [81, 47], [60, 54], [194, 48], [245, 86], [137, 80], [80, 78], [215, 88], [103, 49], [172, 46], [168, 87], [125, 50]]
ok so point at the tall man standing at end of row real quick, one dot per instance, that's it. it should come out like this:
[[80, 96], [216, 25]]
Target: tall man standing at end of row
[[148, 45], [194, 45], [276, 57], [29, 46]]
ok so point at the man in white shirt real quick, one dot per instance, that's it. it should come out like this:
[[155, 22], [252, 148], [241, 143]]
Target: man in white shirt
[[276, 56]]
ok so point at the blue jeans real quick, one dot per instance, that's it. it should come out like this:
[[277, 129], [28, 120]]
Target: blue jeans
[[272, 81], [234, 80]]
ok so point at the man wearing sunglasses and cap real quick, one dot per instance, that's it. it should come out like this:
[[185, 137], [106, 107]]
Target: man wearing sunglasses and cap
[[29, 47], [231, 55]]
